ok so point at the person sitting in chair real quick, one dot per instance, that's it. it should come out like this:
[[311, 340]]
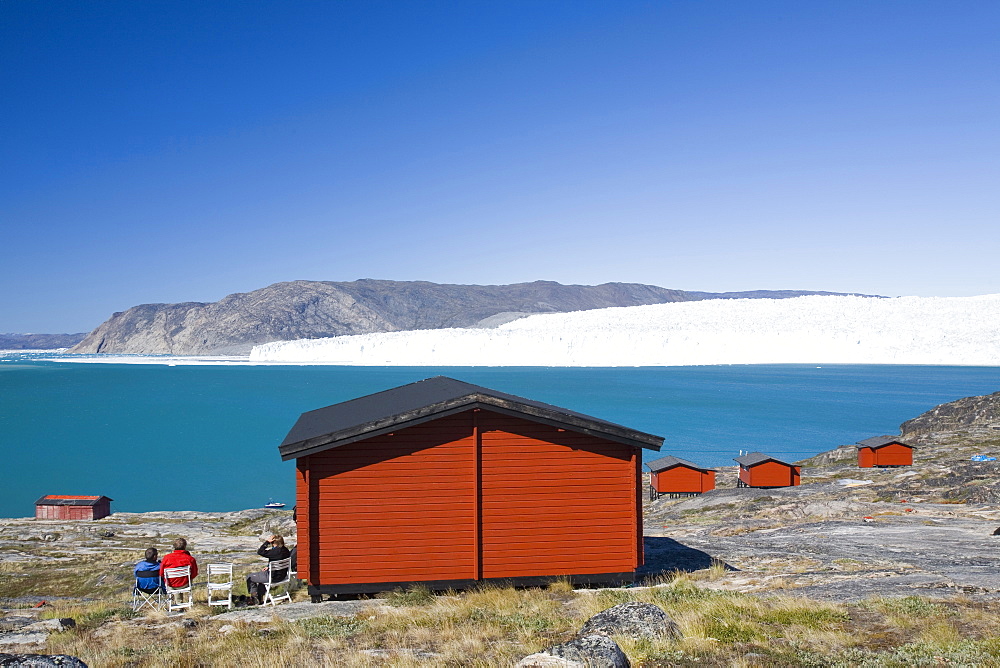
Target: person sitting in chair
[[176, 559], [273, 549], [147, 572]]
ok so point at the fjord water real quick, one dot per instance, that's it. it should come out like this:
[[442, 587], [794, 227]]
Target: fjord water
[[186, 437]]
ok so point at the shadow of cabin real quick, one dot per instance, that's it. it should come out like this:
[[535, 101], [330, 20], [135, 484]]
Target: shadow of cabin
[[665, 556]]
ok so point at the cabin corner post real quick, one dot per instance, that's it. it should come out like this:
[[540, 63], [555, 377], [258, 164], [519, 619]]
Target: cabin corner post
[[477, 446], [640, 556]]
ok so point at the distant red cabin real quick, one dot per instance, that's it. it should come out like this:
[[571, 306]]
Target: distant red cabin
[[759, 470], [449, 484], [676, 476], [67, 507], [882, 451]]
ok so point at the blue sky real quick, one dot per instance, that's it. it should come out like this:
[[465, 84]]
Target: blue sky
[[181, 151]]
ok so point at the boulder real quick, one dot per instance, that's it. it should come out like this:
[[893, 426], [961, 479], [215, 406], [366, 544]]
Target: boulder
[[41, 660], [634, 619], [584, 651], [51, 625]]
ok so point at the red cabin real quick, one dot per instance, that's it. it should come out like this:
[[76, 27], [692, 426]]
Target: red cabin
[[676, 477], [759, 470], [449, 484], [65, 507], [882, 451]]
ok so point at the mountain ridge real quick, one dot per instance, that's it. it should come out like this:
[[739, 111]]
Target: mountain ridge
[[32, 341], [316, 309]]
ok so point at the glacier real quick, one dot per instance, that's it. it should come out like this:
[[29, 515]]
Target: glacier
[[811, 329]]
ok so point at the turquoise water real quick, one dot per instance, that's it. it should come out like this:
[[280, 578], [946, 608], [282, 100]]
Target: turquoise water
[[157, 437]]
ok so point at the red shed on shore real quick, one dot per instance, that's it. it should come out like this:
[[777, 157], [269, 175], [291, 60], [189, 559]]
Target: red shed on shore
[[449, 484], [676, 476], [759, 470], [67, 507], [882, 451]]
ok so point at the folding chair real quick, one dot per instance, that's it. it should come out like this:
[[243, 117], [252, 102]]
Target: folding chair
[[274, 568], [178, 592], [141, 598], [220, 581]]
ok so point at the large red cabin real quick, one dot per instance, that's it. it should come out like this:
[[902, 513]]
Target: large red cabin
[[70, 507], [760, 470], [676, 476], [883, 451], [449, 484]]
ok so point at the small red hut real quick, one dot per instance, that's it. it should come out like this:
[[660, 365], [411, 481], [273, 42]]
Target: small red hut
[[883, 451], [68, 507], [449, 484], [676, 476], [759, 470]]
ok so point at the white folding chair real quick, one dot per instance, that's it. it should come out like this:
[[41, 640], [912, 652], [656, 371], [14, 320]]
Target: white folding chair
[[220, 581], [144, 599], [275, 568], [176, 595]]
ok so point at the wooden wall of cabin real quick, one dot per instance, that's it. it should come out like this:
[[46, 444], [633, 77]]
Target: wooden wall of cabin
[[392, 508], [67, 512], [682, 479], [866, 458], [556, 502], [893, 454], [404, 507], [772, 474]]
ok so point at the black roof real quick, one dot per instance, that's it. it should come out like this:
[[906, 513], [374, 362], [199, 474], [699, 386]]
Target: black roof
[[430, 399], [58, 500], [664, 463], [879, 441], [754, 458]]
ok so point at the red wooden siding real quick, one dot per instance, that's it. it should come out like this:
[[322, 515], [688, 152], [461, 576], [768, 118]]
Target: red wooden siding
[[392, 508], [555, 502], [771, 474], [683, 480], [866, 458], [468, 496], [894, 454]]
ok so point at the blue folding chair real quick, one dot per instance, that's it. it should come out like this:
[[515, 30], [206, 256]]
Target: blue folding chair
[[148, 591]]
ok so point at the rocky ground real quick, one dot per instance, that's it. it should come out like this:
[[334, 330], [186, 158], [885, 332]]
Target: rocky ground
[[929, 529]]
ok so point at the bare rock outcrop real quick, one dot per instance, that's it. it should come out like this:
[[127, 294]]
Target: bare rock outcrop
[[976, 415]]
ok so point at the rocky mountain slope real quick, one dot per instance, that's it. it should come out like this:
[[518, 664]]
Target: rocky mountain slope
[[316, 309], [39, 341]]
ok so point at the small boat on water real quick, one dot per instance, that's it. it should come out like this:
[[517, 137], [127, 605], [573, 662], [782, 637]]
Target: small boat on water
[[274, 504]]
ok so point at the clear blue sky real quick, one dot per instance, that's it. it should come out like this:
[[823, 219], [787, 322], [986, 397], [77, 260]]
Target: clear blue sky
[[180, 151]]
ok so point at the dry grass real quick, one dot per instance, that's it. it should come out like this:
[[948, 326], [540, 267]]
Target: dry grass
[[495, 626]]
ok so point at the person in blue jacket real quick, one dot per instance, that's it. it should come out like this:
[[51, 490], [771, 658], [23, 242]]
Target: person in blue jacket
[[147, 572]]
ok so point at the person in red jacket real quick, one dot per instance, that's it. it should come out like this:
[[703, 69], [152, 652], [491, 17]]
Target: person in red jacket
[[179, 557]]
